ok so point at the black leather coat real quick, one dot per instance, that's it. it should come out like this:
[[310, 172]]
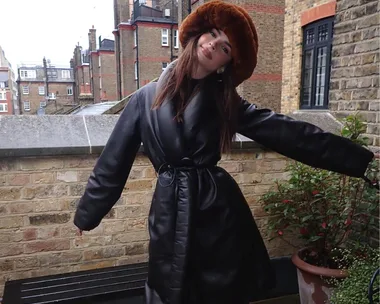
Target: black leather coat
[[204, 244]]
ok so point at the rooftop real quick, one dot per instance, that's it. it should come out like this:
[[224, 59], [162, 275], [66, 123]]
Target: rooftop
[[95, 109]]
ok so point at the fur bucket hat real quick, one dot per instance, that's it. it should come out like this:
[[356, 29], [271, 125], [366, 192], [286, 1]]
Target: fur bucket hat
[[235, 22]]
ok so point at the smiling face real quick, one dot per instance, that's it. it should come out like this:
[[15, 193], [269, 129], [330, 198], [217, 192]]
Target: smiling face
[[213, 51]]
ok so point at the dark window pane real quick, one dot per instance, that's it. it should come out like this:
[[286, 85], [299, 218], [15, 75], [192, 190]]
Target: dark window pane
[[309, 59], [321, 76], [319, 96], [306, 98], [310, 36], [307, 78], [323, 32]]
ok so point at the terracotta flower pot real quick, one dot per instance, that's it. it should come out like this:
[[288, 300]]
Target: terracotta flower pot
[[313, 289]]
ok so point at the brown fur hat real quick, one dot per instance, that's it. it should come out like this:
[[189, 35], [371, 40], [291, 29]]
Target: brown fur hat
[[235, 22]]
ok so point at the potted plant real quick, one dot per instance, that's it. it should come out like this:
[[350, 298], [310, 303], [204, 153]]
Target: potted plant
[[322, 209], [355, 288]]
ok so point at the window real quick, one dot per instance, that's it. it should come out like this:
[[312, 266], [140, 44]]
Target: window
[[69, 90], [3, 107], [41, 90], [317, 42], [3, 95], [52, 73], [2, 84], [176, 42], [28, 73], [26, 105], [164, 65], [65, 74], [25, 90], [135, 37], [52, 96], [142, 2], [136, 71], [42, 103], [164, 37]]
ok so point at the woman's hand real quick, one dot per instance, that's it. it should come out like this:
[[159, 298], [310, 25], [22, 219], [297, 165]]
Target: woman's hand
[[79, 232]]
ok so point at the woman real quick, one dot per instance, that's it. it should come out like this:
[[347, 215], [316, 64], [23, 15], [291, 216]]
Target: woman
[[204, 244]]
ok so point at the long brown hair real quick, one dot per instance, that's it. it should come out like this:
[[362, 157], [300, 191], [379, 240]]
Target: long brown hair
[[177, 88]]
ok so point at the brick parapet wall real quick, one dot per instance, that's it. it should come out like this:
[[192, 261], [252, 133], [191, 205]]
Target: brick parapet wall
[[39, 197]]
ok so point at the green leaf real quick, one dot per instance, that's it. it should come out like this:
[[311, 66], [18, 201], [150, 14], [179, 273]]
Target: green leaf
[[306, 218]]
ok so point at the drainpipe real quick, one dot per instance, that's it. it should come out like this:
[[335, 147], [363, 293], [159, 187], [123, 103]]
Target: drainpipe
[[137, 56], [46, 80], [171, 32]]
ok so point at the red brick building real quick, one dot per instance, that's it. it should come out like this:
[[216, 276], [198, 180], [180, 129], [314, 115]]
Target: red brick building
[[45, 89], [8, 87], [146, 40], [81, 69], [95, 70]]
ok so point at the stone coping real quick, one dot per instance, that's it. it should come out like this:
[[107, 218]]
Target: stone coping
[[48, 135]]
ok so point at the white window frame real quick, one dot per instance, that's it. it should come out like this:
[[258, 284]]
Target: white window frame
[[3, 108], [25, 90], [176, 40], [28, 74], [2, 85], [65, 74], [136, 71], [41, 90], [70, 90], [165, 37], [52, 96], [42, 103], [26, 105], [164, 65], [135, 37], [3, 95]]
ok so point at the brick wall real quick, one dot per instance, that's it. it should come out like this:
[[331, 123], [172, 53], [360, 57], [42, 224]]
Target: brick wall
[[297, 14], [127, 60], [151, 53], [355, 63], [94, 76], [108, 75], [38, 198]]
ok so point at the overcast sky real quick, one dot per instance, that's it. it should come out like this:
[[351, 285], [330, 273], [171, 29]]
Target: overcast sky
[[32, 29]]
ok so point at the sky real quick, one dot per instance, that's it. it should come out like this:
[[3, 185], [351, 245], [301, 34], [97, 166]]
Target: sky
[[33, 29]]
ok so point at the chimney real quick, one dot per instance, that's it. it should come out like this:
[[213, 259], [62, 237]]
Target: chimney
[[78, 55], [92, 39], [122, 11]]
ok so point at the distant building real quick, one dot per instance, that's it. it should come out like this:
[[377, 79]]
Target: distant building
[[8, 87], [146, 41], [95, 70], [81, 69], [45, 89]]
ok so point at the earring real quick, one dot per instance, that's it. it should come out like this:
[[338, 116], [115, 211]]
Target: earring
[[220, 70]]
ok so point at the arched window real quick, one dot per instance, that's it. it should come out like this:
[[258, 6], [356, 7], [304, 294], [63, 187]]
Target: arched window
[[317, 42]]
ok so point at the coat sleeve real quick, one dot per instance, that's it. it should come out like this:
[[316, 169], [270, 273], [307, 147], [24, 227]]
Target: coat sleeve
[[111, 171], [303, 141]]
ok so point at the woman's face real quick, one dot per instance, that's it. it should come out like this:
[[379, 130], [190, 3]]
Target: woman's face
[[214, 51]]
